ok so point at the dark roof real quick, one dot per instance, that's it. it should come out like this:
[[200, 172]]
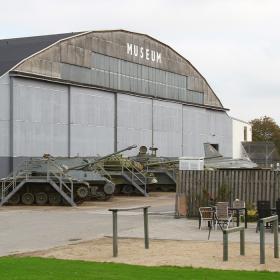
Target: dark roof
[[12, 51]]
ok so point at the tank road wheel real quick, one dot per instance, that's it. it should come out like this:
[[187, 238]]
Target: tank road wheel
[[54, 199], [101, 196], [127, 189], [82, 192], [15, 199], [109, 188], [27, 198], [41, 198]]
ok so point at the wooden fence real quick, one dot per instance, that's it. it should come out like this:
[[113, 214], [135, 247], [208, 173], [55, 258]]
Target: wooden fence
[[197, 188]]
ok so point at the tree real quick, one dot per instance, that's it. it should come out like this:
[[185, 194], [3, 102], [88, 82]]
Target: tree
[[267, 130]]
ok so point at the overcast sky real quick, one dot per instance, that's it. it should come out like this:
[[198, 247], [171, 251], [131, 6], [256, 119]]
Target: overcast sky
[[235, 44]]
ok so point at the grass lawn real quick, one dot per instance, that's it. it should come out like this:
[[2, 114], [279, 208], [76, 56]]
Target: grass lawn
[[12, 268]]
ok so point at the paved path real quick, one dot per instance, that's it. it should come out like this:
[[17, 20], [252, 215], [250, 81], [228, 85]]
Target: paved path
[[33, 228]]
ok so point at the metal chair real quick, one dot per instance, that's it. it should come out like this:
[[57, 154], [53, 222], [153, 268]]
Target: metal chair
[[263, 208], [222, 216], [206, 214]]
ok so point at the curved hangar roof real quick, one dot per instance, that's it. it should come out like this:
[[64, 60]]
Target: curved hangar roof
[[114, 60]]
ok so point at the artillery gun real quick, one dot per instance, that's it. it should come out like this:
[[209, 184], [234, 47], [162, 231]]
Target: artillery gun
[[42, 181], [164, 168]]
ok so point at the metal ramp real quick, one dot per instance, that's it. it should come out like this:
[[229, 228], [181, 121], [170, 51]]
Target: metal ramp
[[136, 179], [134, 176], [54, 176]]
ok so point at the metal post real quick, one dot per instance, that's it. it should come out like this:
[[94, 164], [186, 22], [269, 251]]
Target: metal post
[[276, 243], [225, 246], [246, 216], [237, 218], [242, 242], [115, 233], [146, 230], [262, 247]]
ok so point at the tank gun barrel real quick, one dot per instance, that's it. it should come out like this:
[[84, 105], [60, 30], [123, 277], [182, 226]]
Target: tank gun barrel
[[102, 158], [162, 162]]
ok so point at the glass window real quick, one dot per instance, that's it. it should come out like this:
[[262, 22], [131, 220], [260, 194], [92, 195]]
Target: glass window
[[109, 71]]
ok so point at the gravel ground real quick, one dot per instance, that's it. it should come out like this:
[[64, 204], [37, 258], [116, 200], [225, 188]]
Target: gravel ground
[[207, 254]]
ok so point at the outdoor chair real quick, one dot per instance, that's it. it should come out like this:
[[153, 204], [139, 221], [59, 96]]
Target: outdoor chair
[[239, 204], [223, 217], [206, 215], [263, 208]]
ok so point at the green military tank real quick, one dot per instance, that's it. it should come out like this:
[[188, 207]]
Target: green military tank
[[42, 181], [94, 171], [55, 181], [165, 169], [129, 175]]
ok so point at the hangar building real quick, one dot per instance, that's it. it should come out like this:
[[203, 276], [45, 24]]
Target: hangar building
[[95, 92]]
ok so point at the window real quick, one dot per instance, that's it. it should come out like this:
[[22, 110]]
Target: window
[[134, 77], [215, 146]]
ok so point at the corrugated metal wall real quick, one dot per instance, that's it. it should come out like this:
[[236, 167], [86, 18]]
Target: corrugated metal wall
[[202, 125], [4, 125], [134, 121], [4, 115], [168, 128], [66, 120], [40, 114], [92, 122]]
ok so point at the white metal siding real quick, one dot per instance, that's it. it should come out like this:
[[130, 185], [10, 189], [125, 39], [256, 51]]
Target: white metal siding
[[167, 128], [92, 122], [4, 115], [201, 126], [238, 136], [134, 121], [195, 126], [40, 118]]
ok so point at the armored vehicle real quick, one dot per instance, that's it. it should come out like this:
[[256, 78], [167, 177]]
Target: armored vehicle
[[128, 175], [42, 181], [163, 168], [100, 179]]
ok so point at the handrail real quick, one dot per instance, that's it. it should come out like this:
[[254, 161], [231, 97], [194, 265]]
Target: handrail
[[241, 229], [262, 222], [134, 174], [98, 167], [115, 226]]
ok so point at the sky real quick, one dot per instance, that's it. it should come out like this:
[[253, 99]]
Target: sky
[[235, 44]]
